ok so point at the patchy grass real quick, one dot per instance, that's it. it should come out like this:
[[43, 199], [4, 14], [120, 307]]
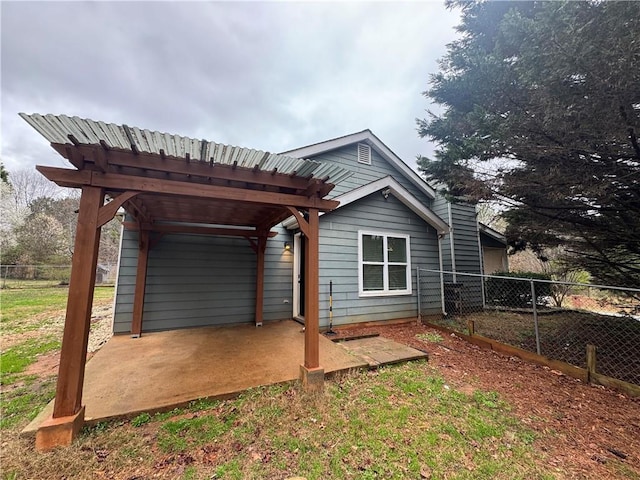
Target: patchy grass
[[402, 421], [22, 403], [22, 308], [15, 359], [430, 337], [29, 329]]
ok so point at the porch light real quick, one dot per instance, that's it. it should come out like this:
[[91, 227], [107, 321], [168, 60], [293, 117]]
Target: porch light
[[287, 246]]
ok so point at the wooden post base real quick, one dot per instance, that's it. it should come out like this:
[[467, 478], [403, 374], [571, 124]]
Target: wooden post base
[[312, 379], [59, 432]]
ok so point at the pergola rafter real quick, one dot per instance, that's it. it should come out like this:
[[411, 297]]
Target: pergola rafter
[[170, 184]]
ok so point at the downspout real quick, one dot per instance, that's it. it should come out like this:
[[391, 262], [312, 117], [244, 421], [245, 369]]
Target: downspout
[[452, 243], [440, 237], [481, 253]]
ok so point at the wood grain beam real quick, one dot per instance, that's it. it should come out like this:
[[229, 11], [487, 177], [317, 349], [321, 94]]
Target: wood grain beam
[[114, 181], [302, 223], [141, 283], [229, 232], [176, 165], [73, 354], [108, 211], [312, 293]]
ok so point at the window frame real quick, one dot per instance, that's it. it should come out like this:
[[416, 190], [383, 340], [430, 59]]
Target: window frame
[[385, 263]]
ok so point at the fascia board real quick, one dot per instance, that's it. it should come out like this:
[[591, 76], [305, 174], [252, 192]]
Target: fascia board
[[368, 137], [490, 232], [397, 190]]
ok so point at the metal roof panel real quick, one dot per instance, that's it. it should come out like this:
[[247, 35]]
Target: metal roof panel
[[57, 128]]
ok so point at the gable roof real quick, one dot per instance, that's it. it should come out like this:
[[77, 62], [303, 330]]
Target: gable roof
[[365, 136], [492, 234], [398, 191]]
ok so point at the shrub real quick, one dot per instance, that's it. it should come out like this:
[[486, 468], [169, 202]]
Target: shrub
[[510, 292]]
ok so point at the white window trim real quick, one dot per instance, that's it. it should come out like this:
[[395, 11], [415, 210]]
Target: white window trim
[[385, 292], [368, 147]]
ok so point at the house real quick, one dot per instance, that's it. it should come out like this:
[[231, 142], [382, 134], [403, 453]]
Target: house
[[389, 222], [217, 234], [494, 250], [102, 273]]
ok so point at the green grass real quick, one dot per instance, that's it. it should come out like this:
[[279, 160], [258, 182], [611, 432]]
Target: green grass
[[430, 337], [16, 359], [395, 423], [18, 307], [22, 404], [22, 311]]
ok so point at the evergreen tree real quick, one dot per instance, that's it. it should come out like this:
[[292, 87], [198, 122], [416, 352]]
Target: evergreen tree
[[541, 110]]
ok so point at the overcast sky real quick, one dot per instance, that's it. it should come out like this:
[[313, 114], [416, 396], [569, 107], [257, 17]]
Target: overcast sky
[[270, 76]]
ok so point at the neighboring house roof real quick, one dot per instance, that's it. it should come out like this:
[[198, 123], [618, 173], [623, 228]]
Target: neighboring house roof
[[395, 189], [365, 136], [61, 129], [492, 234]]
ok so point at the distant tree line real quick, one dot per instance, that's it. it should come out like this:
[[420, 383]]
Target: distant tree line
[[38, 222]]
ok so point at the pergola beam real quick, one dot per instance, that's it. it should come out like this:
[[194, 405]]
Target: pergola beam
[[118, 182], [223, 232], [141, 283], [174, 165]]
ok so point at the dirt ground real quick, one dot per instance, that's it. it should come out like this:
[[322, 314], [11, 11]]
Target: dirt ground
[[582, 431]]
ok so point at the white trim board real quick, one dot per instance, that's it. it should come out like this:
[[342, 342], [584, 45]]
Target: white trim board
[[395, 189]]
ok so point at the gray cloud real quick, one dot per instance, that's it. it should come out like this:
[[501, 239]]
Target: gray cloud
[[273, 76]]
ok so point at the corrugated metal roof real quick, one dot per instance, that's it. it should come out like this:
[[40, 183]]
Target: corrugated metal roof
[[60, 129]]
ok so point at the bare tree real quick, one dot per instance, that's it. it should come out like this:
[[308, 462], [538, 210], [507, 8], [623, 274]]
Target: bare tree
[[29, 184]]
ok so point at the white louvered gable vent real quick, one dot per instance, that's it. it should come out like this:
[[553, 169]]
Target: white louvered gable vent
[[364, 153]]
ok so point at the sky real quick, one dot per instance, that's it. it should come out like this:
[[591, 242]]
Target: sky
[[266, 75]]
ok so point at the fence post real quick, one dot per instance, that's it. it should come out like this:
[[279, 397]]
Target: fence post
[[591, 362], [419, 295], [534, 302], [471, 327]]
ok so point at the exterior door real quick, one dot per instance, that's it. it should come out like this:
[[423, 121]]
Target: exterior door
[[298, 276]]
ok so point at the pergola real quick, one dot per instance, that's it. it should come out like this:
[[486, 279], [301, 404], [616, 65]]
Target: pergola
[[172, 184]]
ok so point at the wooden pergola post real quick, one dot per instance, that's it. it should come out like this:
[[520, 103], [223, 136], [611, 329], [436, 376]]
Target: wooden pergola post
[[141, 283], [260, 251], [68, 412], [312, 375]]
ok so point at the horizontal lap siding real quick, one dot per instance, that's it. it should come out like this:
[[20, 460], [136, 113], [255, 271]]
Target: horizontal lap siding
[[347, 157], [467, 253], [339, 259], [197, 280]]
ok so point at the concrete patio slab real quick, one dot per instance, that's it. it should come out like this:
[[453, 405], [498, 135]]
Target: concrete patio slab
[[159, 371], [379, 351]]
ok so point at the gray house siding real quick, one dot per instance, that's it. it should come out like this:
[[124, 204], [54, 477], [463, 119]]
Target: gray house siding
[[197, 280], [466, 253], [347, 157], [339, 259]]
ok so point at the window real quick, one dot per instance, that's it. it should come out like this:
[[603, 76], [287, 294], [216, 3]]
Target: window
[[384, 264], [364, 153]]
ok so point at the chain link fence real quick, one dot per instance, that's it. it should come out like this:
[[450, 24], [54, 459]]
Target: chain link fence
[[554, 319], [43, 276]]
